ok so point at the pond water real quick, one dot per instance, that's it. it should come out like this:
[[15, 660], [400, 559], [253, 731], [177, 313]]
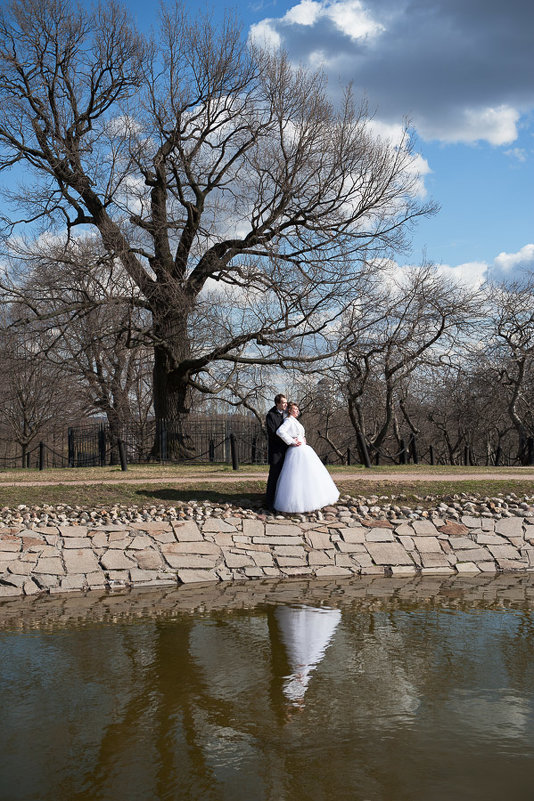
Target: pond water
[[382, 690]]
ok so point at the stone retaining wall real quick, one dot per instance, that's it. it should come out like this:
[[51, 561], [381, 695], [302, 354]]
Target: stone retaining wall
[[61, 558]]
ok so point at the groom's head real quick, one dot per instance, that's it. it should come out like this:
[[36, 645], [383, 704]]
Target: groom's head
[[280, 402]]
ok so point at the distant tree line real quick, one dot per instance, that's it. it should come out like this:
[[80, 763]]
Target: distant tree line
[[434, 370]]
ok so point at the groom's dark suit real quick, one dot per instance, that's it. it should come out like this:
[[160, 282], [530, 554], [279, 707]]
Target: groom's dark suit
[[276, 450]]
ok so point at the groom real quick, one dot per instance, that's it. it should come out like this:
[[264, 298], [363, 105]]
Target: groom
[[276, 447]]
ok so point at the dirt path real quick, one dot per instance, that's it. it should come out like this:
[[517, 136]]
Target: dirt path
[[240, 476]]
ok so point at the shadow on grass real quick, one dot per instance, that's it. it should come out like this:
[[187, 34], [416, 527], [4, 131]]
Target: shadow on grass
[[249, 499]]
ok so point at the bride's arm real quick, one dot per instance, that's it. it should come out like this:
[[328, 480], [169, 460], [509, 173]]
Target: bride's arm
[[284, 432]]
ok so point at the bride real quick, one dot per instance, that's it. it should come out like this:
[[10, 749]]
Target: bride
[[304, 483]]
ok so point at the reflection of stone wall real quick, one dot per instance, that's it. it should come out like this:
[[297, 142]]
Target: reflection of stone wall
[[62, 558], [359, 594]]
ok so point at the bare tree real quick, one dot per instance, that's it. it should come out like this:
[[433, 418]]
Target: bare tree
[[421, 319], [33, 393], [92, 326], [509, 356], [244, 207]]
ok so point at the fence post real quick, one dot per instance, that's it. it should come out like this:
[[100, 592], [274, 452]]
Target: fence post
[[70, 446], [211, 450], [498, 453], [530, 451], [253, 451], [233, 450], [122, 455], [348, 456], [466, 455], [41, 455], [402, 455], [431, 449], [27, 460], [102, 446]]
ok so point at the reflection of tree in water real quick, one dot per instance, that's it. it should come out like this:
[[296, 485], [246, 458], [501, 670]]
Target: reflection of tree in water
[[155, 732], [516, 645]]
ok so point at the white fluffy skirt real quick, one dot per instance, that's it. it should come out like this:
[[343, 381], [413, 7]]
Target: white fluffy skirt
[[304, 483]]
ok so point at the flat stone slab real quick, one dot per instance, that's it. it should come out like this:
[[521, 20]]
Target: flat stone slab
[[462, 543], [350, 547], [188, 531], [471, 521], [467, 567], [81, 561], [388, 553], [320, 540], [148, 559], [73, 583], [277, 541], [50, 564], [504, 552], [197, 576], [151, 526], [73, 531], [424, 528], [332, 570], [273, 530], [203, 547], [473, 555], [453, 529], [184, 560], [236, 560], [427, 544], [380, 535], [253, 528], [10, 543], [510, 526], [78, 542], [116, 560], [353, 535], [487, 538], [432, 559], [213, 524]]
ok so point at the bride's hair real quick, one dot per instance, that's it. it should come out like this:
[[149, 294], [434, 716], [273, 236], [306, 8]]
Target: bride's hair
[[291, 405]]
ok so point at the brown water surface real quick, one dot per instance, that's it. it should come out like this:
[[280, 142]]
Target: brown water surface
[[367, 690]]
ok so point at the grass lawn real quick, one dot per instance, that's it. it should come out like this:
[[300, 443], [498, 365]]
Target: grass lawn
[[173, 485]]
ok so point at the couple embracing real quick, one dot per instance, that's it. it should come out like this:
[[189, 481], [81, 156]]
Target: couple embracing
[[298, 481]]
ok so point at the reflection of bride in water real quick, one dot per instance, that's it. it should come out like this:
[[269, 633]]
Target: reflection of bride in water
[[305, 633]]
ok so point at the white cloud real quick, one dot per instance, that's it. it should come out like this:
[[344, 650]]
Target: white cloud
[[498, 126], [348, 16], [351, 18], [506, 262], [264, 35], [471, 273], [304, 13], [518, 153]]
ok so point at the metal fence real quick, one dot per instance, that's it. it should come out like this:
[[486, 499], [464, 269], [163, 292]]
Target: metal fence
[[205, 441], [222, 439]]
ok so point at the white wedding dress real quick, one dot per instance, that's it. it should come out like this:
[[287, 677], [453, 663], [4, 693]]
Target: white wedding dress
[[304, 483]]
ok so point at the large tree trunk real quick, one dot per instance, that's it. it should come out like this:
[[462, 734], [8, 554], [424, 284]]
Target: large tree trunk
[[172, 393]]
